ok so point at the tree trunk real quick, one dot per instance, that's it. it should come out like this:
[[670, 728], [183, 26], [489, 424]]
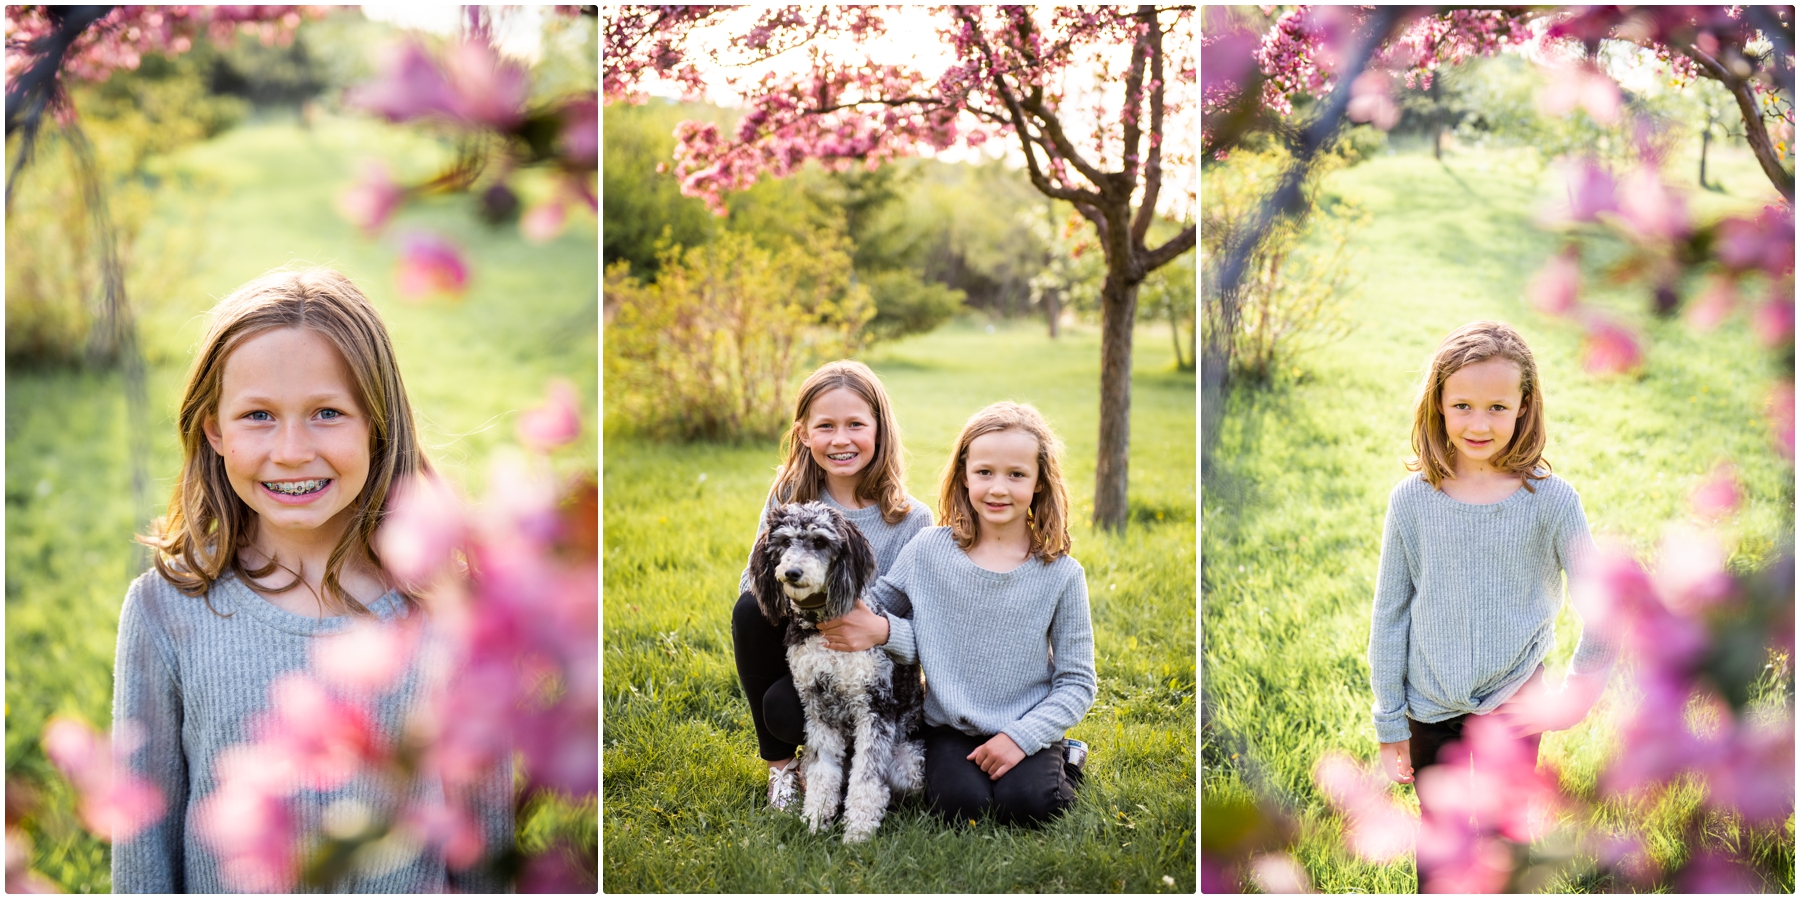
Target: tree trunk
[[1175, 336], [1118, 304], [1705, 140], [1053, 311]]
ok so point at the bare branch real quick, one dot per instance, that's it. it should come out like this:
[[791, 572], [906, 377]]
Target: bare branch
[[1163, 255], [1140, 226]]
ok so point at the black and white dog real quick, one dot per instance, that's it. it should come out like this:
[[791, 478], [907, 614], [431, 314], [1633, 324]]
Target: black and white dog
[[810, 565]]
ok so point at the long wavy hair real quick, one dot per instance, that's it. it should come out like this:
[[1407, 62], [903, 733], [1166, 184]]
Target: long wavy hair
[[1047, 517], [883, 480], [1472, 343], [207, 523]]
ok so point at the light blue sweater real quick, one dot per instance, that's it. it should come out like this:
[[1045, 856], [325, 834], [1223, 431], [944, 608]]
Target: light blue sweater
[[1466, 598], [1009, 653]]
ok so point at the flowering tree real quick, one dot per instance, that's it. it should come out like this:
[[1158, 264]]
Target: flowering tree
[[1122, 75]]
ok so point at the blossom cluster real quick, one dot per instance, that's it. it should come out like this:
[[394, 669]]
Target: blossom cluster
[[120, 39]]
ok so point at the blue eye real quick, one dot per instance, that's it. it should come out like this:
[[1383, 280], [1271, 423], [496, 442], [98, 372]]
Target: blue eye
[[260, 415], [329, 414]]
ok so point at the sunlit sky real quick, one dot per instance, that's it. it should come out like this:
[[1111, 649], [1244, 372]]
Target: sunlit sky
[[518, 30]]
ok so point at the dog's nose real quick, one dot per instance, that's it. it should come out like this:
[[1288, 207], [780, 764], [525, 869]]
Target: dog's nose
[[792, 574]]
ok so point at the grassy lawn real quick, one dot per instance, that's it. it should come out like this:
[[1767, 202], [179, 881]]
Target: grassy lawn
[[1297, 485], [470, 367], [684, 805]]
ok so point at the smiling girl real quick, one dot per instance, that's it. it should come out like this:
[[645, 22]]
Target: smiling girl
[[294, 428], [843, 449], [994, 609], [1473, 555]]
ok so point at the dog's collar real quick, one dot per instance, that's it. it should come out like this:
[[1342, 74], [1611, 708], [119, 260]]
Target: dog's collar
[[812, 603]]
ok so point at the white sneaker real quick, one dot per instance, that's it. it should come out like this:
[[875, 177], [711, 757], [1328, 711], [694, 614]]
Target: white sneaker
[[784, 785]]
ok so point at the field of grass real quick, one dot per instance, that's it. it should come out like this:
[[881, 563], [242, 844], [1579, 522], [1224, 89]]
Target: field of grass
[[1296, 488], [684, 807], [530, 315]]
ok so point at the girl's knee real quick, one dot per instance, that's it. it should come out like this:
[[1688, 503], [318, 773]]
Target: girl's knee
[[746, 613], [1039, 792]]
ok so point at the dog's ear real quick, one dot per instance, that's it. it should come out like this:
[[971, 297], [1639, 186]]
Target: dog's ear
[[763, 583], [854, 568]]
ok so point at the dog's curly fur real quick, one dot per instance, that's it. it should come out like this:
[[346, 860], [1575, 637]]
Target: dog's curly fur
[[810, 565]]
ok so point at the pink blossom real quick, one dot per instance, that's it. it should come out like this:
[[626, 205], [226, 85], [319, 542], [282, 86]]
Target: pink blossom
[[1712, 871], [1773, 318], [449, 828], [19, 876], [555, 423], [579, 141], [1554, 288], [323, 740], [1502, 791], [431, 265], [1690, 575], [248, 823], [489, 90], [367, 659], [1591, 191], [410, 86], [1713, 304], [1581, 86], [1379, 829], [1610, 590], [553, 872], [424, 526], [1661, 747], [370, 202], [1754, 776], [1765, 243], [1372, 101], [1650, 208], [1278, 872], [1718, 495], [1610, 349], [115, 802], [543, 222]]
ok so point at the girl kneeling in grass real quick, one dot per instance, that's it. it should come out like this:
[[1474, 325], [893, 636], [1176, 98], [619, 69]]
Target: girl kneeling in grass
[[994, 609], [1472, 561], [842, 450]]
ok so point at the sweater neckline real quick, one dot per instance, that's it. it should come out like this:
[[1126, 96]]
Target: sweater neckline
[[968, 564], [245, 599], [1515, 498]]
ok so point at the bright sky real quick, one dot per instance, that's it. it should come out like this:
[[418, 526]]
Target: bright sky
[[518, 30]]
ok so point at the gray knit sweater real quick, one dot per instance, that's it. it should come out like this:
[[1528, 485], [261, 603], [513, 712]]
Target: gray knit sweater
[[886, 539], [1466, 598], [1008, 653], [192, 680]]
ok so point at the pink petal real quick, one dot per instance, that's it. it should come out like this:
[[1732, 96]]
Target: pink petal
[[431, 265], [1553, 290], [1379, 829], [1718, 495], [1278, 872], [1690, 573], [1651, 208], [555, 423], [1773, 320], [1713, 304], [1591, 192], [543, 222], [424, 526], [579, 142], [367, 659], [410, 86], [1610, 349], [489, 90], [369, 203]]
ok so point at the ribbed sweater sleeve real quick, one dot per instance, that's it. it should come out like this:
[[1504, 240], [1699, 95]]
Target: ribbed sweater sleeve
[[1389, 624], [1072, 679], [889, 594], [147, 699], [1594, 653]]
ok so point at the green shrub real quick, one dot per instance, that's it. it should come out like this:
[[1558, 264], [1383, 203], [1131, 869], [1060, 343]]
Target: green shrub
[[906, 304]]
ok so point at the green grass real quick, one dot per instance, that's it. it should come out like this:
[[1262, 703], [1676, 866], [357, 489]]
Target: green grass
[[684, 807], [1297, 484], [470, 366]]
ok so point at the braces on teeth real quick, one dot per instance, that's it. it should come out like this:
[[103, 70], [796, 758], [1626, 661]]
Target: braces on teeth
[[298, 488]]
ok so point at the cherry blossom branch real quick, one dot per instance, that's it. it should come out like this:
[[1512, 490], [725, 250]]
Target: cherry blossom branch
[[1140, 226], [1134, 91], [1754, 131]]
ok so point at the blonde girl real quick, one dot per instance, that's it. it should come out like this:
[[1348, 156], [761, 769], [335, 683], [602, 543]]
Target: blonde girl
[[294, 427], [994, 609], [1473, 555], [843, 450]]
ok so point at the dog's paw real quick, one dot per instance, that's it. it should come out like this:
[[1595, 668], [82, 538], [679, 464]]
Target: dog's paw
[[858, 834]]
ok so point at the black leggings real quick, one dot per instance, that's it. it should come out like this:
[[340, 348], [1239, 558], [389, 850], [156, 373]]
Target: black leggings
[[1035, 790], [768, 686]]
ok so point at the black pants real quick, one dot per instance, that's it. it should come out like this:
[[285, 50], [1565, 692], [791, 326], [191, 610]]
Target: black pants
[[1036, 789], [768, 685]]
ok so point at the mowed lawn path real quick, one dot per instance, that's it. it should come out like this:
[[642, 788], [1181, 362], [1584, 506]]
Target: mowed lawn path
[[683, 791], [1296, 487]]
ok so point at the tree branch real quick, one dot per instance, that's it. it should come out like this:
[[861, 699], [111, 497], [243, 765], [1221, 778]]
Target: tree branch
[[1134, 94], [1755, 133], [1140, 226], [1163, 255]]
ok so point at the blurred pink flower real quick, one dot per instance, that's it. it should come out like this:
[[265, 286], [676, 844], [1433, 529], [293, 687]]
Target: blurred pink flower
[[1755, 774], [410, 86], [370, 202], [1228, 61], [1610, 348], [555, 423], [323, 740], [1590, 190], [1718, 495], [1554, 288], [1379, 830], [1690, 571], [1582, 86], [489, 90], [424, 526], [19, 876], [1651, 208], [1781, 413], [1765, 243], [1372, 101], [1773, 318], [1278, 872], [1661, 745], [247, 822], [367, 659], [553, 872], [1609, 589], [579, 142], [449, 828], [543, 222], [1712, 871], [1453, 858], [1503, 791], [115, 803], [1713, 305], [431, 265]]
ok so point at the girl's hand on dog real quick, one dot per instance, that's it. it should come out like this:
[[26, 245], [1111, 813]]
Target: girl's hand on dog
[[997, 756], [857, 630]]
